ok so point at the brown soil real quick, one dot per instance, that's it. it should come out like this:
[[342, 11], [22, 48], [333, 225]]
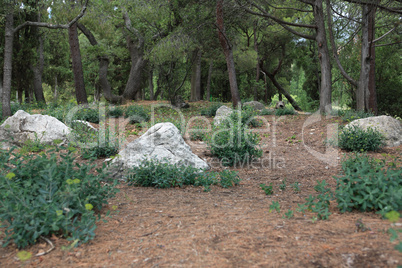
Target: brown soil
[[187, 227]]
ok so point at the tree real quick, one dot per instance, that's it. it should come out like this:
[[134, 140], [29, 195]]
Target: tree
[[319, 36], [10, 30], [227, 50]]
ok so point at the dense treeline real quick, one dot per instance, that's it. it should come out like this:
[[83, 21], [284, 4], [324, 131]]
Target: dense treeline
[[314, 52]]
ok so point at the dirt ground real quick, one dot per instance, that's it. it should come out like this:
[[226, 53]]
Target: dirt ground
[[187, 227]]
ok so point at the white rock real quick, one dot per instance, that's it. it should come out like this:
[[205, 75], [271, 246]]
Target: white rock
[[23, 126], [162, 142], [390, 127], [221, 114], [255, 104]]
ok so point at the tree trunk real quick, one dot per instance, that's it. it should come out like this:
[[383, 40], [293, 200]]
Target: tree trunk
[[371, 84], [151, 83], [196, 76], [283, 91], [80, 92], [211, 66], [258, 71], [136, 49], [37, 70], [324, 58], [104, 82], [227, 49], [8, 61], [362, 94]]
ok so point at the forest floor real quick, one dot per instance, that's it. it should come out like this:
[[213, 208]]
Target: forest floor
[[187, 227]]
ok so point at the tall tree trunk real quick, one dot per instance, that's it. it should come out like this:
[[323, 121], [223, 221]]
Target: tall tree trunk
[[136, 49], [151, 83], [211, 66], [227, 50], [103, 69], [37, 70], [283, 91], [324, 58], [196, 76], [371, 84], [8, 63], [258, 71], [80, 92]]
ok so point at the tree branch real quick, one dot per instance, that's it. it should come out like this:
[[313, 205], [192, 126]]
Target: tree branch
[[392, 10], [53, 26], [334, 49], [387, 33]]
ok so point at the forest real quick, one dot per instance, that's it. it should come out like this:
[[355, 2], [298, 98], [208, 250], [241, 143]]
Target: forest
[[318, 54]]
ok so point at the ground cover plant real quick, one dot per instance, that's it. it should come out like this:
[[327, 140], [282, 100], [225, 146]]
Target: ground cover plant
[[356, 139], [42, 195], [154, 173]]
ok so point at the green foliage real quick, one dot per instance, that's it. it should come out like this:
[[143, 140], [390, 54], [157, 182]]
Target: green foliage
[[198, 132], [267, 188], [137, 114], [87, 114], [106, 148], [267, 112], [351, 115], [296, 186], [211, 110], [369, 185], [282, 186], [393, 216], [32, 145], [116, 112], [42, 195], [275, 206], [233, 143], [58, 111], [356, 139], [153, 173], [285, 111], [289, 214]]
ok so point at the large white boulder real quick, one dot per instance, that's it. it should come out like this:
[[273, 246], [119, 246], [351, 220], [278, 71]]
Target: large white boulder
[[390, 127], [162, 142], [221, 114], [22, 127]]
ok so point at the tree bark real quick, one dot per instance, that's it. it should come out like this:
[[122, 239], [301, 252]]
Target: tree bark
[[211, 66], [362, 93], [80, 92], [258, 71], [196, 76], [227, 50], [151, 83], [324, 58], [8, 64], [37, 70], [371, 84], [136, 49]]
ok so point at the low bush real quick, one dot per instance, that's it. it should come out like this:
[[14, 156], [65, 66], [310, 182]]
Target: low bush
[[356, 139], [153, 173], [211, 110], [87, 114], [42, 194], [232, 141], [115, 111], [369, 185], [285, 111], [350, 115], [136, 114], [267, 112]]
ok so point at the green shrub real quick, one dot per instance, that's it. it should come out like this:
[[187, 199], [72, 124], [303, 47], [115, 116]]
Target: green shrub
[[211, 110], [153, 173], [58, 111], [285, 111], [319, 204], [137, 114], [350, 115], [198, 133], [368, 185], [234, 143], [267, 188], [87, 114], [116, 112], [356, 139], [42, 194], [267, 112]]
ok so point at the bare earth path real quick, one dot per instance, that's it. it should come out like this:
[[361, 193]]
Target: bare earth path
[[186, 227]]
